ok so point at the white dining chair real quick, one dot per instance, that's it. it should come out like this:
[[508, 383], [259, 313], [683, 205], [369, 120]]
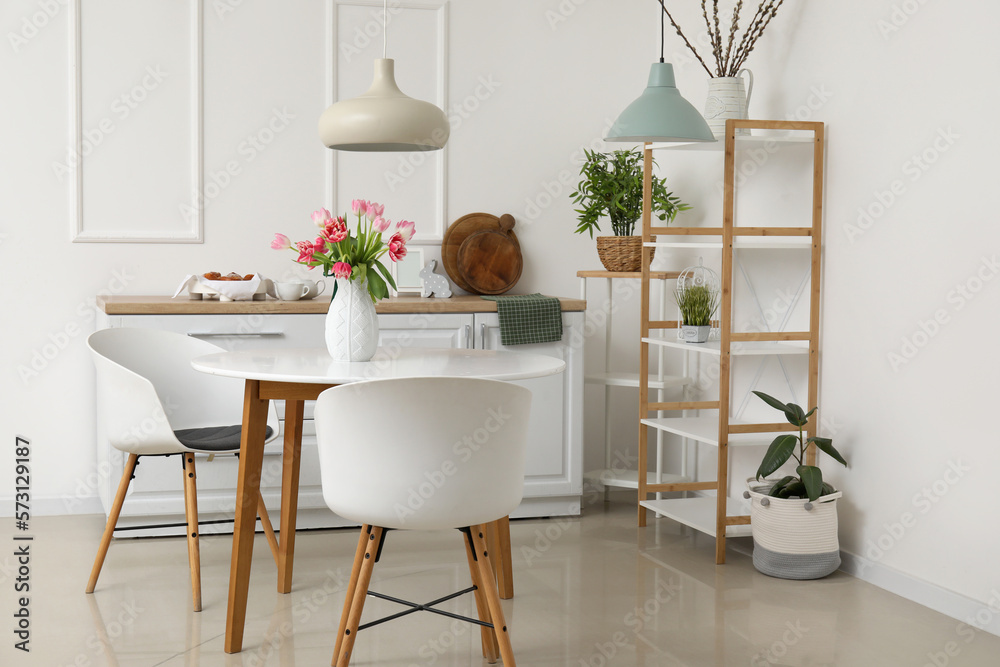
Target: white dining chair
[[423, 454], [151, 402]]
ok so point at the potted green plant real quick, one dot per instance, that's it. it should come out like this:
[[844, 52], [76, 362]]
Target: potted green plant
[[794, 519], [612, 187], [697, 304]]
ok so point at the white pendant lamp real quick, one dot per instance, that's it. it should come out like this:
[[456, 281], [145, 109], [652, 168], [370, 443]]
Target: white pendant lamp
[[384, 118]]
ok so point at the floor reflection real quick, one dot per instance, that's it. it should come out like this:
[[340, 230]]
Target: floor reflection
[[594, 591]]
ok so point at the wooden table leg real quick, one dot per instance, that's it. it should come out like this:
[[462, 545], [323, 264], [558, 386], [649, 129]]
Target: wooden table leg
[[289, 492], [498, 539], [247, 491]]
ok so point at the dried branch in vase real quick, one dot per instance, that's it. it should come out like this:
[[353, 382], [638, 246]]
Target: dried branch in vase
[[730, 58]]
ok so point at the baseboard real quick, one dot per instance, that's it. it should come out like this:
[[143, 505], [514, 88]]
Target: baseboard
[[982, 615], [985, 616], [54, 506], [530, 507], [547, 506]]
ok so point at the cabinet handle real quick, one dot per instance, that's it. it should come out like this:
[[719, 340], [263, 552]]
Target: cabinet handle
[[482, 334], [249, 334], [468, 335]]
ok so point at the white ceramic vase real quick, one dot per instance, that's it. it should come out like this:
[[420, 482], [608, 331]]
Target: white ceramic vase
[[728, 98], [351, 322]]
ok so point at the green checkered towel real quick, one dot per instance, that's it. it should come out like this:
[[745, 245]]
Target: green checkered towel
[[528, 318]]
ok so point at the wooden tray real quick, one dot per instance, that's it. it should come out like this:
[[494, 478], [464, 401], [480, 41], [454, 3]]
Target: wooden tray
[[490, 260], [493, 263]]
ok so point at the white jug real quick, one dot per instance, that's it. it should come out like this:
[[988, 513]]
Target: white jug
[[728, 98]]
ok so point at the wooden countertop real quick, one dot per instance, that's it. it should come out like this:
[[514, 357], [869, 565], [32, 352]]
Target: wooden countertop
[[164, 305]]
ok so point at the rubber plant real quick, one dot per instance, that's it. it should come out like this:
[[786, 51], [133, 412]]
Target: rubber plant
[[612, 187], [808, 480]]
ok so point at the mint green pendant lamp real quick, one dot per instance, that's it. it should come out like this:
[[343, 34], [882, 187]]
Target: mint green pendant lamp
[[660, 113]]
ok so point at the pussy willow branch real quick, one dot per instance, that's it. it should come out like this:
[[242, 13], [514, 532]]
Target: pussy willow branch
[[733, 29], [743, 40], [751, 36], [718, 35], [729, 61], [678, 29], [770, 8], [760, 32], [711, 35]]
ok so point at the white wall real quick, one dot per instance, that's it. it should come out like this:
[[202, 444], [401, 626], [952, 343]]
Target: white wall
[[887, 96]]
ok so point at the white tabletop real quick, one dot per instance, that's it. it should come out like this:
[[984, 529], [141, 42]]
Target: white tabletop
[[314, 365]]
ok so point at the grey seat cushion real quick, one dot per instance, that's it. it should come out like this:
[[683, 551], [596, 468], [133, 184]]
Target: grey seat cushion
[[214, 438]]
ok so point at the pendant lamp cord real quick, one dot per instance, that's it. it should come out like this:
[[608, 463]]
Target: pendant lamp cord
[[663, 10], [385, 36]]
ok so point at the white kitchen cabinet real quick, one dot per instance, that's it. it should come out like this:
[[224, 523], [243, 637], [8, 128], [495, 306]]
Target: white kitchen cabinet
[[551, 471], [447, 330], [553, 477]]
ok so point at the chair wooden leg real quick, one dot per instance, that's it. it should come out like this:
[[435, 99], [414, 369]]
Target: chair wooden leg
[[191, 509], [489, 638], [498, 541], [359, 557], [109, 528], [265, 521], [492, 596], [360, 593], [290, 463]]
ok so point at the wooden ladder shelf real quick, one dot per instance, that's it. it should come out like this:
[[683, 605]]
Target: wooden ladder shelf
[[729, 235]]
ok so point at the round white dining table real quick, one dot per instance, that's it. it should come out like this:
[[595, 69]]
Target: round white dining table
[[314, 365], [298, 375]]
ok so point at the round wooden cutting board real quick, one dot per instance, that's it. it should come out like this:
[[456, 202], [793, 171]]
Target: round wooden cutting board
[[481, 253]]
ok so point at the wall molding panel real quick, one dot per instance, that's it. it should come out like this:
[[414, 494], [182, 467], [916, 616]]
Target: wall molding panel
[[191, 210]]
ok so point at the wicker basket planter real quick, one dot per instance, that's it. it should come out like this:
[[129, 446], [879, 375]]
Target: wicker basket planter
[[621, 253], [793, 539]]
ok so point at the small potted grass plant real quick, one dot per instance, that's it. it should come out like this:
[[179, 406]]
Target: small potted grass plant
[[697, 304], [794, 518]]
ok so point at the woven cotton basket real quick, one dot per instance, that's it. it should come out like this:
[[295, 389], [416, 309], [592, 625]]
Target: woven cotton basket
[[790, 541]]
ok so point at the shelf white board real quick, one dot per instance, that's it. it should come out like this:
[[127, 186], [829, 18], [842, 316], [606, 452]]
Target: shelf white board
[[742, 142], [629, 479], [739, 242], [699, 513], [615, 379], [740, 348], [706, 430]]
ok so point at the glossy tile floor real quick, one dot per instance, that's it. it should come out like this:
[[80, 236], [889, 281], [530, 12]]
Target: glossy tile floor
[[590, 591]]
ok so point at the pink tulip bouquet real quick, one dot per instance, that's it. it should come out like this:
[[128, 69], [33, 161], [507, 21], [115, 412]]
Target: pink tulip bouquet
[[357, 256]]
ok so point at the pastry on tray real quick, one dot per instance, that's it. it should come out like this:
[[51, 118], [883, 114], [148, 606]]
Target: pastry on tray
[[229, 287], [215, 275]]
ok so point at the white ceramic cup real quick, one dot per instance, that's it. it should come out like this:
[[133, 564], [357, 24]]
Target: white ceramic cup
[[315, 288], [291, 291]]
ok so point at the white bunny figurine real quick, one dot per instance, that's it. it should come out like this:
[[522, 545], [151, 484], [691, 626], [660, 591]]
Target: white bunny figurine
[[434, 284]]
